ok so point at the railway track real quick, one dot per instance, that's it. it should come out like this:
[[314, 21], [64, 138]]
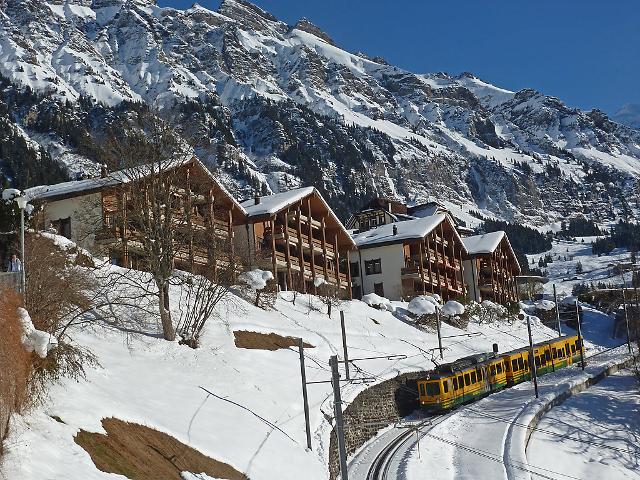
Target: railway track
[[380, 466]]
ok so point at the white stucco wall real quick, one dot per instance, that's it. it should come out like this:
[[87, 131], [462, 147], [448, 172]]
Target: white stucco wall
[[85, 213], [392, 261]]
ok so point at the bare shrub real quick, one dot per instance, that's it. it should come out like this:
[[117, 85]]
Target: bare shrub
[[15, 362]]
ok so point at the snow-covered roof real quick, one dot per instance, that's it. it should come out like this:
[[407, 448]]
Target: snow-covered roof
[[270, 204], [89, 185], [482, 244], [407, 230]]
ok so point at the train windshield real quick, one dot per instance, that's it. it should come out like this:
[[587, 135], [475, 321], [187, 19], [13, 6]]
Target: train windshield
[[433, 388]]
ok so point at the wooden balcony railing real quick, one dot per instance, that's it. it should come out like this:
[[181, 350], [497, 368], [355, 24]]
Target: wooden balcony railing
[[293, 238]]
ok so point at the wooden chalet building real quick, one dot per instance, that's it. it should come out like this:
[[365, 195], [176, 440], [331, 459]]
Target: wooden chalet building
[[100, 214], [414, 257], [491, 268], [297, 236]]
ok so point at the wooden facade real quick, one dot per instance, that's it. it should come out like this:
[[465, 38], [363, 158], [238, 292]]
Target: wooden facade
[[433, 264], [203, 214], [298, 237], [492, 271]]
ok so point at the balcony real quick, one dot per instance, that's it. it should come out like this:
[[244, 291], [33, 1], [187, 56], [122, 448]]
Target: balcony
[[281, 236], [281, 262]]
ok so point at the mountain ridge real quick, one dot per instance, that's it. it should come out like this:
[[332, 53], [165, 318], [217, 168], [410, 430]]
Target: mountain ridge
[[282, 106]]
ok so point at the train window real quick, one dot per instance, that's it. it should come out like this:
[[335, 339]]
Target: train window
[[499, 367], [578, 344], [543, 359], [445, 386], [492, 369], [547, 355], [520, 363], [514, 364], [474, 378], [460, 381], [422, 390], [467, 379], [526, 365], [573, 349], [433, 388], [479, 374], [555, 353], [537, 361], [455, 383]]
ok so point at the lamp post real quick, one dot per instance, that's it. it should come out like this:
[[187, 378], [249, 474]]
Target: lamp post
[[22, 204]]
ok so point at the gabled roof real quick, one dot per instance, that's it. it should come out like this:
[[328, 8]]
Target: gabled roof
[[483, 244], [87, 186], [271, 204], [487, 243], [408, 230]]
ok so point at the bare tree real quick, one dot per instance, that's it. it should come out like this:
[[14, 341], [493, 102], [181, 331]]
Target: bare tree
[[149, 209], [330, 295]]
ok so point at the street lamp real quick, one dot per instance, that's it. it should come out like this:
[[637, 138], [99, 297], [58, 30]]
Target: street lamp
[[22, 205]]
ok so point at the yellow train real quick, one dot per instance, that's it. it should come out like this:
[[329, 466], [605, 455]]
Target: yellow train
[[476, 376]]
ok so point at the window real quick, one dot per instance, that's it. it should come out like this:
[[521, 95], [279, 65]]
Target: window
[[372, 267], [514, 364], [499, 367], [460, 381], [555, 353], [455, 383], [537, 361], [526, 365], [433, 388], [467, 379], [356, 291], [373, 222], [578, 344], [63, 227], [445, 386], [543, 359], [378, 289], [479, 374], [547, 355], [474, 379], [492, 369], [520, 363], [355, 269], [573, 349], [422, 390]]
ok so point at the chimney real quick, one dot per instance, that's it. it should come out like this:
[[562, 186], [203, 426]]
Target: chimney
[[103, 170], [395, 229], [256, 200]]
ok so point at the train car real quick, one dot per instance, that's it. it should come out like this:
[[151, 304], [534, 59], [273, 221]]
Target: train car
[[473, 377], [462, 381]]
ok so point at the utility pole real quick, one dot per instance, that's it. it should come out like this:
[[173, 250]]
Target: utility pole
[[439, 335], [337, 406], [532, 360], [555, 299], [626, 318], [344, 345], [305, 398], [580, 341]]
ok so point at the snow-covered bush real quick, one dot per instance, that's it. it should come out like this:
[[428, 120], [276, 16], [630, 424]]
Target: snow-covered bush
[[35, 340], [376, 301], [424, 308], [453, 313], [258, 281]]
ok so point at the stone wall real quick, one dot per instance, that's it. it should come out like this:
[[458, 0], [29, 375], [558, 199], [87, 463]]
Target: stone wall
[[372, 410]]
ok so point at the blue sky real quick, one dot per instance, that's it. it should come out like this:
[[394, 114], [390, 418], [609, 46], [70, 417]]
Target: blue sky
[[585, 52]]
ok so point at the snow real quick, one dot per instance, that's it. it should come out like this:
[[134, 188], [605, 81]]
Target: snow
[[545, 305], [483, 244], [407, 230], [256, 279], [35, 340], [271, 204], [594, 433], [452, 308], [318, 281], [423, 305], [9, 194], [374, 300]]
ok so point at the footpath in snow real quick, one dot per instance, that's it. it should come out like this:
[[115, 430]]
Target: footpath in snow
[[594, 434]]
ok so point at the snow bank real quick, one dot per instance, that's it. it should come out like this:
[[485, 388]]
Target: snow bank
[[545, 305], [374, 300], [423, 305], [257, 279], [196, 476], [35, 340], [452, 308], [9, 194]]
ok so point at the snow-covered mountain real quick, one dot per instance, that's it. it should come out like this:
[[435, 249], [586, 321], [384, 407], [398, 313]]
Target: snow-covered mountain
[[276, 106], [629, 115]]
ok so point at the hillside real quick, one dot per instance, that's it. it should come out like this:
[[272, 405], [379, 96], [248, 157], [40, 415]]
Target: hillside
[[146, 380], [275, 106]]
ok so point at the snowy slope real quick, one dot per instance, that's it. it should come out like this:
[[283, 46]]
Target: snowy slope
[[154, 382]]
